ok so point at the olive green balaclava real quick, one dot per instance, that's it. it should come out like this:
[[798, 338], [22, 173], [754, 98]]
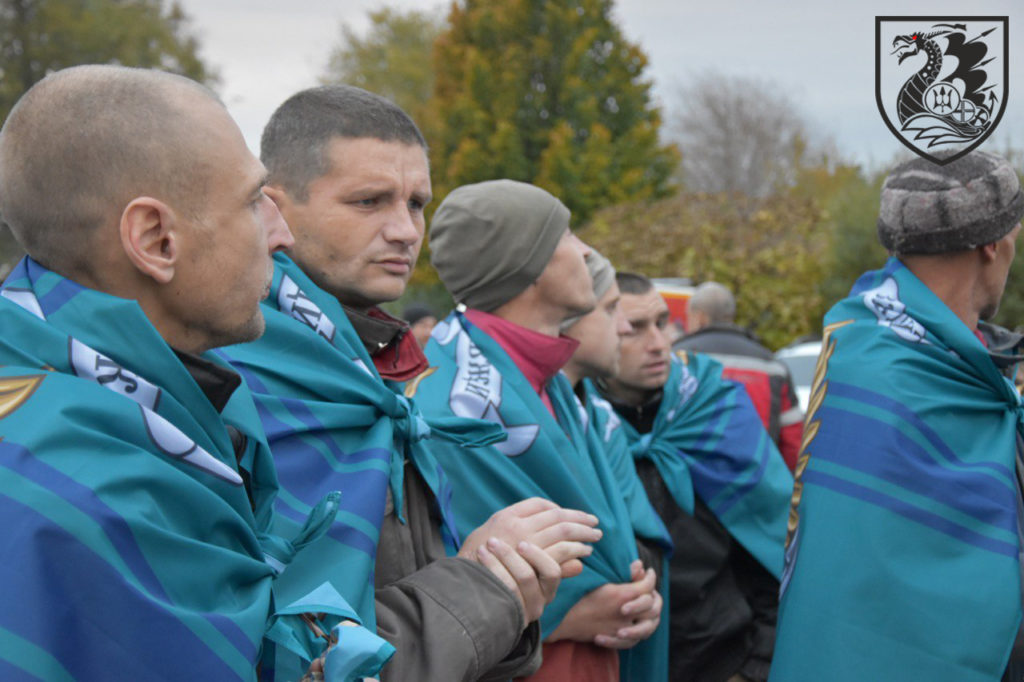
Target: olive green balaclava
[[491, 240]]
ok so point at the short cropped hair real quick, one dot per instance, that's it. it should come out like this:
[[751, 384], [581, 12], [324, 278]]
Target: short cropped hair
[[294, 143], [85, 141], [715, 301], [633, 283]]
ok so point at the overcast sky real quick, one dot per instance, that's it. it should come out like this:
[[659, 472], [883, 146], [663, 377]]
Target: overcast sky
[[819, 52]]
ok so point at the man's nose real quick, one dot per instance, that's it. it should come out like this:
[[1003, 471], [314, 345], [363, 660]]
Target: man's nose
[[279, 236], [403, 226]]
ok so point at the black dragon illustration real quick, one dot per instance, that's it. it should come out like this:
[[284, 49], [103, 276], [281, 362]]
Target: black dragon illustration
[[965, 85]]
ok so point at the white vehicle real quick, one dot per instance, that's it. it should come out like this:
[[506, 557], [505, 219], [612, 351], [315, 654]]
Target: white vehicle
[[801, 359]]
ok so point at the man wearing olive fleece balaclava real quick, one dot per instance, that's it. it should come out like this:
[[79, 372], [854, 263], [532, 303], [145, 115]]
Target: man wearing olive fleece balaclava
[[505, 252]]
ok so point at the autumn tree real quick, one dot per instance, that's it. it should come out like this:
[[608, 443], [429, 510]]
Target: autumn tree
[[771, 252], [740, 134], [851, 210], [549, 93], [40, 36], [392, 59]]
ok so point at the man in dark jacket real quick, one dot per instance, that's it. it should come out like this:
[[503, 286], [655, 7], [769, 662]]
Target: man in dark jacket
[[722, 601], [711, 322]]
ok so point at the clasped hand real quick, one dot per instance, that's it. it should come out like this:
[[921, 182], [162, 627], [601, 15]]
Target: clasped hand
[[530, 546]]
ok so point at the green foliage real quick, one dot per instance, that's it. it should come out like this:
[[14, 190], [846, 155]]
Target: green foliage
[[853, 218], [433, 295], [771, 252], [393, 60], [1011, 308], [40, 36], [549, 93]]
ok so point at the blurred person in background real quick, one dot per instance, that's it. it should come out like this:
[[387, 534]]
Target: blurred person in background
[[421, 320], [711, 318]]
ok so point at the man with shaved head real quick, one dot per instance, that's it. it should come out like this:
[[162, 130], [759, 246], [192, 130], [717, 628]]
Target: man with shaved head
[[135, 482]]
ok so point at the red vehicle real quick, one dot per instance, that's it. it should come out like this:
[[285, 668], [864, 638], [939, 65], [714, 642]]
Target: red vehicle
[[677, 292]]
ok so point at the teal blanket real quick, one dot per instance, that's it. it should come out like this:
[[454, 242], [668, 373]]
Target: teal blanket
[[707, 439], [648, 660], [333, 424], [903, 560], [605, 435], [131, 548], [543, 456]]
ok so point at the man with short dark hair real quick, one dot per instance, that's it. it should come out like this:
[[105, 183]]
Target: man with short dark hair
[[505, 252], [718, 483], [348, 170], [903, 556], [711, 328], [135, 483]]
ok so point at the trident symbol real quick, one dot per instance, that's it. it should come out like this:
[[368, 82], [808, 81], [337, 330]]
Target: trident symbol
[[941, 100]]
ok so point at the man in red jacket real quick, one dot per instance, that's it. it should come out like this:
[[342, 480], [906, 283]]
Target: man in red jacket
[[712, 330]]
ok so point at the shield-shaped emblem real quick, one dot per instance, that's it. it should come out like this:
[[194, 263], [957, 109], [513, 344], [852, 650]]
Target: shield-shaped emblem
[[941, 82]]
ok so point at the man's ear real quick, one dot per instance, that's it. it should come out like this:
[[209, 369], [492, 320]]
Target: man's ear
[[988, 252], [149, 237]]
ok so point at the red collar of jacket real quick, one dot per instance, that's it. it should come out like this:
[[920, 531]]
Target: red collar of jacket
[[538, 356], [394, 351]]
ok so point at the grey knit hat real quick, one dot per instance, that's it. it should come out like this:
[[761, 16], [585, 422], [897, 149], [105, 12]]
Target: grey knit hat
[[927, 208], [602, 275], [491, 240]]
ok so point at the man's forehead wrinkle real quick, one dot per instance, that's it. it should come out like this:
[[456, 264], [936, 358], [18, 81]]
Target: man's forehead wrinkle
[[362, 175], [370, 157], [635, 306]]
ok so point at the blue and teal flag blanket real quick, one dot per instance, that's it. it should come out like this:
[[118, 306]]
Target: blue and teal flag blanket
[[604, 433], [903, 556], [707, 439], [543, 457], [333, 424], [131, 548]]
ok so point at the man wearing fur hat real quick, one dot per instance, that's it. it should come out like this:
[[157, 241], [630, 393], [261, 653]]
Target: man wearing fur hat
[[903, 555], [505, 252]]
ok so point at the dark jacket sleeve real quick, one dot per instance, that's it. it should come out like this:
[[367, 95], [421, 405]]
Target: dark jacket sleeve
[[449, 619], [650, 555], [762, 592]]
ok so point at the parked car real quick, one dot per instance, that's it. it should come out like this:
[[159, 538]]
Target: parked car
[[801, 358]]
